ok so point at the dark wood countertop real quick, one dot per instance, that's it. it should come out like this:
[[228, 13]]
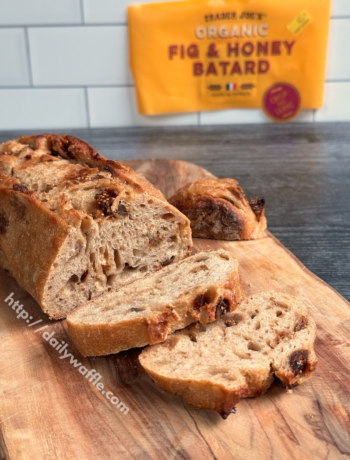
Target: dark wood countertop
[[302, 170]]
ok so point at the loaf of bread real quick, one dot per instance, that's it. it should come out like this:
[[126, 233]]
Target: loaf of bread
[[74, 225], [218, 209], [200, 288], [213, 367]]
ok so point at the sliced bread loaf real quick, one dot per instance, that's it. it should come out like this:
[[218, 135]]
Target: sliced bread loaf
[[218, 209], [213, 367], [200, 288], [74, 225]]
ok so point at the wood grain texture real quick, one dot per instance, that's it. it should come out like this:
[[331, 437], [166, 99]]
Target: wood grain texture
[[48, 410]]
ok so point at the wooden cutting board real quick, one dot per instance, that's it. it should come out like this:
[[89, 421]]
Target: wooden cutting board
[[48, 410]]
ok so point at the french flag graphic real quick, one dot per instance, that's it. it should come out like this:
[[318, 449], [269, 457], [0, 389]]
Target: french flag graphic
[[231, 86]]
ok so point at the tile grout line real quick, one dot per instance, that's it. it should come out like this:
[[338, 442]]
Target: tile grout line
[[29, 59], [94, 24], [99, 85], [74, 24], [127, 85], [87, 106], [82, 11]]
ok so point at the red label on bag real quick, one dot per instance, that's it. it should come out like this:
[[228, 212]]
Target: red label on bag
[[281, 102]]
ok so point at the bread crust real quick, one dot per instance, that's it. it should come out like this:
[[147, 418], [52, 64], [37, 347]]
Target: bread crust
[[218, 209], [30, 236], [36, 233], [292, 360]]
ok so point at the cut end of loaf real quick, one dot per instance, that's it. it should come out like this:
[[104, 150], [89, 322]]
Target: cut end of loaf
[[236, 357], [119, 227], [218, 209]]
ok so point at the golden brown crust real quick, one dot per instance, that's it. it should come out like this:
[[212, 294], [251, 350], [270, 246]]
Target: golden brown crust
[[30, 236], [218, 209], [76, 150], [199, 394], [51, 225]]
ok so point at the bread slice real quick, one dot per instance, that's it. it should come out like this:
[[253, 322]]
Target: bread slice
[[218, 209], [74, 225], [213, 367], [199, 288]]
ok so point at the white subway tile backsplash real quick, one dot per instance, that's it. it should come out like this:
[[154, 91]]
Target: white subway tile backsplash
[[336, 105], [28, 12], [338, 62], [111, 107], [232, 116], [340, 8], [62, 56], [245, 116], [42, 109], [14, 69], [90, 55], [110, 11]]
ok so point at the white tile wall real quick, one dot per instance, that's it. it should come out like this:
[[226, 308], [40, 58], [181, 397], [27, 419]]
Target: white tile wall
[[28, 12], [117, 107], [338, 62], [109, 11], [64, 63], [340, 8], [42, 109], [95, 55], [334, 108], [14, 67]]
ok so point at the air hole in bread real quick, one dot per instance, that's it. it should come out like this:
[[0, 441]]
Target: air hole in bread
[[142, 205], [193, 337], [199, 268], [143, 269], [224, 257], [150, 201], [242, 354], [257, 326], [254, 346], [202, 258], [111, 279], [127, 267], [167, 215], [282, 305], [74, 278], [117, 259], [85, 226], [84, 276], [136, 252], [279, 313], [172, 239]]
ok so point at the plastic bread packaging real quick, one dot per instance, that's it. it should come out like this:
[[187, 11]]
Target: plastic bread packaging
[[218, 54]]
